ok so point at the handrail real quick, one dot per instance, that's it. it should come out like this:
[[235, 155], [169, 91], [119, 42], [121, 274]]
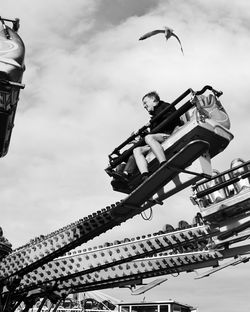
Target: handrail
[[222, 174], [222, 185]]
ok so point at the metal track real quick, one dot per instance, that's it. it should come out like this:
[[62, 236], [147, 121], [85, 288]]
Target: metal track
[[133, 272], [149, 267], [105, 257], [45, 249]]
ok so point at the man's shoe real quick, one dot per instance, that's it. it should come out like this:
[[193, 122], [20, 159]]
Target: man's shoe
[[144, 176]]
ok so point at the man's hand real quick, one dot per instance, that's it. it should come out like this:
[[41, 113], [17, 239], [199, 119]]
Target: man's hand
[[136, 139]]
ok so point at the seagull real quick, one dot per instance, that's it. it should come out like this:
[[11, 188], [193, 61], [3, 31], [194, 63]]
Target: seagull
[[168, 32]]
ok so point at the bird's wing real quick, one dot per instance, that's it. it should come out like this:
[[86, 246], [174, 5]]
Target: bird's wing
[[178, 41], [151, 33]]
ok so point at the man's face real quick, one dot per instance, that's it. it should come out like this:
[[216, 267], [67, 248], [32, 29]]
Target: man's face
[[149, 103]]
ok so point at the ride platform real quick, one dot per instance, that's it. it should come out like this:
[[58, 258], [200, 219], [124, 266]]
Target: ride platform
[[195, 127]]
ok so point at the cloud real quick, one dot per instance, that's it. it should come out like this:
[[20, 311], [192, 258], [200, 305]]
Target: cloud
[[113, 13]]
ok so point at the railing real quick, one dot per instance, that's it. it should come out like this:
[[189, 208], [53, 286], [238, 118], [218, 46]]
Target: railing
[[60, 309], [230, 182]]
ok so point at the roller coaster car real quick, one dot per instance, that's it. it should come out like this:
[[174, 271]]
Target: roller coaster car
[[203, 118], [224, 200], [11, 71]]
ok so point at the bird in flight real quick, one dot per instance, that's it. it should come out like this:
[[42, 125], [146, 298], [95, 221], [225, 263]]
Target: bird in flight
[[168, 32]]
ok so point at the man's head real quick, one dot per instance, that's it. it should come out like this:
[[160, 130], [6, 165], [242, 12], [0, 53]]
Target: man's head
[[150, 100]]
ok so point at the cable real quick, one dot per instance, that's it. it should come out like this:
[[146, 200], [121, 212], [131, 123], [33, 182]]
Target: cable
[[177, 274], [150, 217]]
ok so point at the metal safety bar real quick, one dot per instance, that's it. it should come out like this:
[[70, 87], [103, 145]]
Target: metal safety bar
[[224, 183]]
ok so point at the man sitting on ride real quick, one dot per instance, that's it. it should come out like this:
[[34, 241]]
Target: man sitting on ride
[[154, 105]]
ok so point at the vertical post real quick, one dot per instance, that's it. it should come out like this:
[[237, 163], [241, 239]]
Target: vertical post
[[56, 306], [41, 304]]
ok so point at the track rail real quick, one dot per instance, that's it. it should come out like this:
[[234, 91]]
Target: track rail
[[149, 267], [132, 273], [45, 249], [102, 258]]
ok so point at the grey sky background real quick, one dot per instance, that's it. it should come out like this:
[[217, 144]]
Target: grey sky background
[[86, 73]]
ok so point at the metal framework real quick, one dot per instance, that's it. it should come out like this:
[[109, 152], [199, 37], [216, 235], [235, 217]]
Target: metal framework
[[42, 269]]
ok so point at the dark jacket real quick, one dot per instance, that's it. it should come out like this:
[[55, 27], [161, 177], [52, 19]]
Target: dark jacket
[[157, 110]]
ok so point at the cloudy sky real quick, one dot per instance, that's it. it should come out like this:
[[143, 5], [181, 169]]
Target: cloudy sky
[[85, 75]]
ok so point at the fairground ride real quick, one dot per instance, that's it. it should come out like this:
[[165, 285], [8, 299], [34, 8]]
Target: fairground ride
[[46, 269]]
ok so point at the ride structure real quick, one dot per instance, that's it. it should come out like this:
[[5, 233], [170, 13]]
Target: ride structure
[[43, 268], [34, 271], [5, 245], [202, 136], [30, 272], [224, 200], [12, 66]]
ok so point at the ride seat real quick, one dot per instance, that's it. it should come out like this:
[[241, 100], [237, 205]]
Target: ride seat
[[195, 119]]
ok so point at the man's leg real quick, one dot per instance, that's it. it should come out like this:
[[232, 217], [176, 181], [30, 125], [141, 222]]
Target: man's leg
[[130, 166], [154, 141], [127, 170], [139, 154]]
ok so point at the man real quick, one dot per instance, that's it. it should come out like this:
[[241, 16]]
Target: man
[[153, 104]]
